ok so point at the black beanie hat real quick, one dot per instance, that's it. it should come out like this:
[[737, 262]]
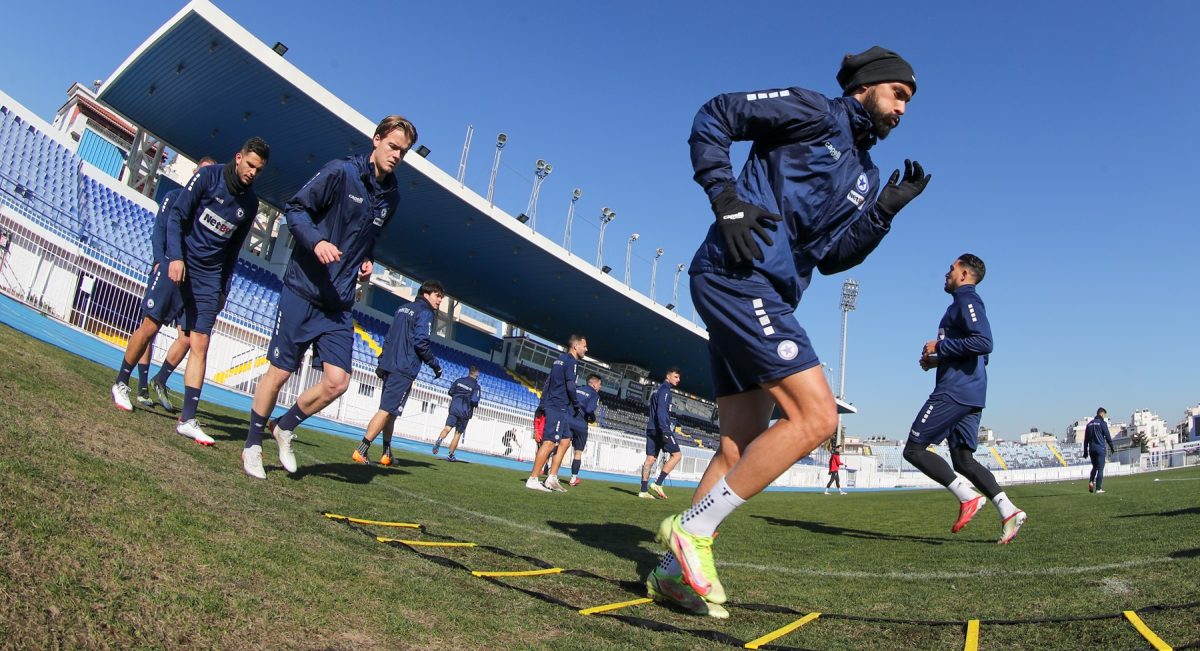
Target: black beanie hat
[[872, 67]]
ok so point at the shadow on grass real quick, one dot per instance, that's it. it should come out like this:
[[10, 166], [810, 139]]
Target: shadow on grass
[[354, 473], [627, 491], [617, 538], [1192, 510], [1186, 553], [832, 530]]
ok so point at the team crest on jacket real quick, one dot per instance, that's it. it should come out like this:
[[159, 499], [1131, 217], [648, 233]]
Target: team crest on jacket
[[382, 216], [787, 349], [862, 185]]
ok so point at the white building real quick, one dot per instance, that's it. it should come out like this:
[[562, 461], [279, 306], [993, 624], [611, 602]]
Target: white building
[[1075, 431], [987, 435], [1147, 424], [1035, 436], [1186, 430]]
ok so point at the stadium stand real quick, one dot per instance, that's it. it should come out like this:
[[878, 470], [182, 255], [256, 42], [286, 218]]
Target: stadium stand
[[1016, 456], [40, 178]]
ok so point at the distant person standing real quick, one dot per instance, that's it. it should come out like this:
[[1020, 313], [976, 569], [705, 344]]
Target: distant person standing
[[560, 403], [953, 410], [1095, 438], [660, 436], [464, 398], [589, 399], [835, 466]]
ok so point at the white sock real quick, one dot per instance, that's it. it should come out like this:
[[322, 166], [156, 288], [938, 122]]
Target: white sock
[[962, 489], [669, 566], [706, 515], [1004, 506]]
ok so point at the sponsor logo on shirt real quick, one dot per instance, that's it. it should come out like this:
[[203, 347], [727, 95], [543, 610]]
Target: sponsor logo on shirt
[[833, 151], [355, 199], [219, 200], [734, 216], [213, 222], [382, 217], [856, 199]]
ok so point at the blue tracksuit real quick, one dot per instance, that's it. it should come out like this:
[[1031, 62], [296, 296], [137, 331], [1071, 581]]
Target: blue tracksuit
[[964, 342], [1096, 437], [464, 397], [158, 235], [206, 227], [344, 205], [559, 392], [407, 343], [809, 164], [588, 401], [660, 411]]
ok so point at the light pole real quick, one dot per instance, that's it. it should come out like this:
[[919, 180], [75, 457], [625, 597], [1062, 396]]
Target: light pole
[[628, 256], [606, 217], [849, 298], [500, 140], [540, 172], [654, 271], [462, 161], [571, 216], [675, 290]]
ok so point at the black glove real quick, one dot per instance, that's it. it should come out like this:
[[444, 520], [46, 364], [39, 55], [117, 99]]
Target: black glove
[[738, 221], [591, 418], [437, 372], [897, 193], [380, 373]]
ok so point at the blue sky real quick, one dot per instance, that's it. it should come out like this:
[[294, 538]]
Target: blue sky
[[1061, 137]]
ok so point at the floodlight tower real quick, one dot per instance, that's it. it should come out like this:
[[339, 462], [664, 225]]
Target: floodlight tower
[[675, 291], [462, 160], [570, 217], [606, 217], [628, 256], [658, 253], [849, 300], [500, 140], [541, 171]]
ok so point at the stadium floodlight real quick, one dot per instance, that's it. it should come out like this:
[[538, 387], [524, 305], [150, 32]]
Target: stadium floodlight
[[670, 306], [675, 291], [575, 195], [541, 170], [462, 160], [606, 269], [658, 253], [280, 48], [629, 256], [522, 218], [423, 151], [848, 303], [606, 217], [500, 141]]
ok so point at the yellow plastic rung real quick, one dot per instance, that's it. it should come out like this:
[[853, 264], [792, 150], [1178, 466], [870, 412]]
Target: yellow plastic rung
[[780, 632], [405, 525], [424, 543], [607, 607], [1154, 640], [972, 636], [552, 570]]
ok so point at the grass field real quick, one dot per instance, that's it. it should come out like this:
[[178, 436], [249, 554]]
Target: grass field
[[116, 533]]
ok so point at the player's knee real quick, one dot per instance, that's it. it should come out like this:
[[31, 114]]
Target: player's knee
[[962, 460], [912, 451], [336, 386]]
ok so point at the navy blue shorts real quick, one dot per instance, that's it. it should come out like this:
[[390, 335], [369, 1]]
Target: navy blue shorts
[[202, 302], [664, 442], [753, 335], [459, 423], [942, 419], [163, 301], [558, 426], [579, 436], [300, 324], [395, 393]]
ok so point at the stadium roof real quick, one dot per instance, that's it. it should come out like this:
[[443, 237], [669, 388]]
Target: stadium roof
[[204, 84]]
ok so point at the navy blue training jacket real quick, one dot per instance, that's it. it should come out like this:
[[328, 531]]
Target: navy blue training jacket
[[1096, 436], [407, 343], [158, 235], [207, 225], [464, 396], [964, 343], [588, 401], [660, 410], [344, 205], [809, 164], [559, 392]]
